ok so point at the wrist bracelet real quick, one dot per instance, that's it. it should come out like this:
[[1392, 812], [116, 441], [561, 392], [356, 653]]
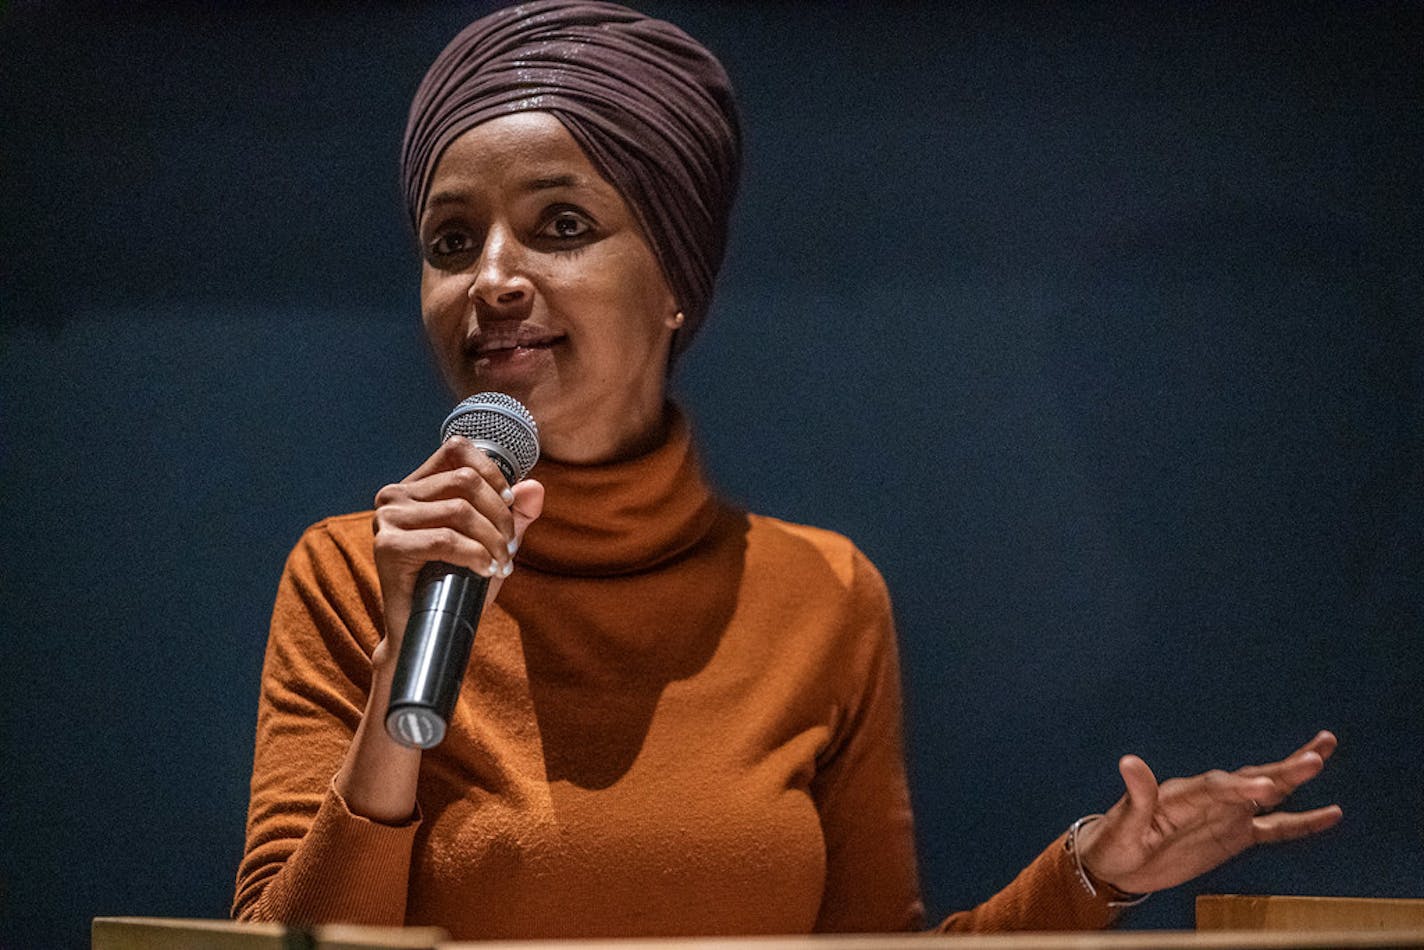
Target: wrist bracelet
[[1070, 844]]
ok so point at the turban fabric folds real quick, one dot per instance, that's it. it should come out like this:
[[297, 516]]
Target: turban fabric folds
[[651, 108]]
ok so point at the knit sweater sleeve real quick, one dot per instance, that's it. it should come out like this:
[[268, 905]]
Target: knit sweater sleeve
[[863, 800], [860, 789], [1046, 895], [308, 859]]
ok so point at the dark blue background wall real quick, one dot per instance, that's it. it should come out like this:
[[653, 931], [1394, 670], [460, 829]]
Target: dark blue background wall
[[1097, 326]]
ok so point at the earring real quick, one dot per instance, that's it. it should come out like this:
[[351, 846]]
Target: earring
[[676, 320]]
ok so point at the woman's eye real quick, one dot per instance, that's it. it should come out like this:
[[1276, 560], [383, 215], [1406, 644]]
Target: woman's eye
[[450, 243], [567, 226]]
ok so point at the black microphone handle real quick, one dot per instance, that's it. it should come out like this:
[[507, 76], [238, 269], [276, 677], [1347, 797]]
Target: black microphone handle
[[434, 652], [436, 648]]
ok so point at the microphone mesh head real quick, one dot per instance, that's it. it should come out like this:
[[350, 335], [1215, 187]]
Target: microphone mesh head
[[500, 421]]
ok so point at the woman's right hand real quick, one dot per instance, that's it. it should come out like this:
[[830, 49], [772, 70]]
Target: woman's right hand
[[456, 507]]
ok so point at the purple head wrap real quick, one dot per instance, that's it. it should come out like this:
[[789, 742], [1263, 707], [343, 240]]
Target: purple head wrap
[[648, 104]]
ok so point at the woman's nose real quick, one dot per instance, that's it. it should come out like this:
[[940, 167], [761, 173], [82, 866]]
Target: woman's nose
[[500, 281]]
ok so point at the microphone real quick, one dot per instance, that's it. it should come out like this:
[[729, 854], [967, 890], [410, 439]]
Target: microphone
[[448, 599]]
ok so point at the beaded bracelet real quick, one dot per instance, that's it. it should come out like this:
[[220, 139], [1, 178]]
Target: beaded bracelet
[[1070, 844]]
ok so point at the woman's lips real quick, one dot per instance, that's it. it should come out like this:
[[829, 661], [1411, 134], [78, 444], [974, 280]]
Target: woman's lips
[[511, 351], [485, 351], [493, 345]]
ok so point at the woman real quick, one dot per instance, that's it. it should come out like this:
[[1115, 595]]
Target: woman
[[678, 718]]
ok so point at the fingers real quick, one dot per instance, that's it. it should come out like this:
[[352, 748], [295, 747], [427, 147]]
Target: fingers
[[456, 507], [1323, 744], [1141, 790], [1255, 789], [1287, 826], [489, 543], [1321, 747], [1185, 803], [464, 485], [1296, 769], [528, 505], [456, 452], [415, 548], [1232, 788]]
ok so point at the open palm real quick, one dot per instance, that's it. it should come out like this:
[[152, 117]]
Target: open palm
[[1158, 836]]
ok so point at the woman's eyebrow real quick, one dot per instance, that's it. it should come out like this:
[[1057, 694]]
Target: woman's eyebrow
[[543, 183], [554, 181], [444, 198]]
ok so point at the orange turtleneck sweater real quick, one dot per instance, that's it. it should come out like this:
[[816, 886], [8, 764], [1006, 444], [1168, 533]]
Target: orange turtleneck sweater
[[678, 718]]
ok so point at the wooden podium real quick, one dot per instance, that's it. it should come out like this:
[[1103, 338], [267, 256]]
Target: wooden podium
[[161, 933], [1224, 922], [1241, 912]]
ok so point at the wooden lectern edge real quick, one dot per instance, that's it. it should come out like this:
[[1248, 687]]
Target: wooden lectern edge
[[344, 936], [138, 933], [1276, 912], [163, 933], [1092, 940]]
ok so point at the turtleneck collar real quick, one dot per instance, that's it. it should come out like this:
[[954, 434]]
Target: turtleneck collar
[[621, 517]]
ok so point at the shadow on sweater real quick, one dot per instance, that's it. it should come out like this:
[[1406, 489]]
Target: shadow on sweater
[[601, 651]]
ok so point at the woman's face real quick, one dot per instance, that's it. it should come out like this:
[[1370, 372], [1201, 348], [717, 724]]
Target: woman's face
[[537, 282]]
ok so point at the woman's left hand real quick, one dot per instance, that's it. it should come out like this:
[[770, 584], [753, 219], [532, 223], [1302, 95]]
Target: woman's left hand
[[1156, 837]]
